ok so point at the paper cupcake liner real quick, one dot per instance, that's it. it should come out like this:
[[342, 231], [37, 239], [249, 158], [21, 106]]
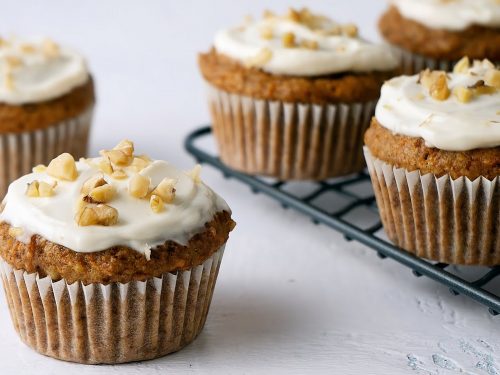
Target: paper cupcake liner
[[111, 323], [20, 152], [412, 63], [289, 140], [439, 218]]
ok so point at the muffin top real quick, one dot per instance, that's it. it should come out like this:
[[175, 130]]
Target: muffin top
[[118, 199], [451, 14], [38, 69], [301, 43], [456, 111]]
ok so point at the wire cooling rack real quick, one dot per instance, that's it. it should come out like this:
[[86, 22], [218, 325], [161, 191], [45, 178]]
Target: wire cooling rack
[[348, 205]]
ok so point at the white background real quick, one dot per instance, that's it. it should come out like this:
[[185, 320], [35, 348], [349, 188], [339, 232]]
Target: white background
[[292, 297]]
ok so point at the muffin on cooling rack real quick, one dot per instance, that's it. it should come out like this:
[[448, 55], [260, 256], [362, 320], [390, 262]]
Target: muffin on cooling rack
[[112, 259], [291, 96], [436, 34], [433, 153], [46, 104]]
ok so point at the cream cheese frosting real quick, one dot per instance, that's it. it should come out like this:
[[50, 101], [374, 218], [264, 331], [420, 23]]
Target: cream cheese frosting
[[453, 15], [37, 69], [303, 44], [138, 226], [407, 107]]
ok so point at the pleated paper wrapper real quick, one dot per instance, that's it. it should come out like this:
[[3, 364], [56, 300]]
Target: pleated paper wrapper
[[412, 63], [20, 152], [289, 141], [112, 323], [448, 220]]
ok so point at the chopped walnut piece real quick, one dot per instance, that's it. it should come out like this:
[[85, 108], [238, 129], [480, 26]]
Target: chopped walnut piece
[[268, 14], [45, 189], [463, 94], [462, 66], [288, 40], [103, 194], [15, 232], [266, 33], [40, 168], [492, 78], [126, 146], [32, 189], [92, 183], [139, 163], [480, 88], [122, 154], [50, 48], [350, 30], [195, 174], [105, 165], [96, 214], [310, 44], [119, 174], [63, 167], [156, 203], [293, 15], [13, 61], [439, 89], [8, 79], [166, 190], [27, 48], [138, 186]]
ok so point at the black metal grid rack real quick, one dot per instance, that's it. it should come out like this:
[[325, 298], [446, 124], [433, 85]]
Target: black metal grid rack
[[335, 202]]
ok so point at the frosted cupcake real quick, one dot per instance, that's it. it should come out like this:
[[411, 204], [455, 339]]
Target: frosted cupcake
[[436, 34], [290, 96], [46, 103], [433, 152], [112, 259]]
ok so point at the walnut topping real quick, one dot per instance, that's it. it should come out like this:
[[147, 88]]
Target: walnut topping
[[462, 66], [40, 168], [463, 94], [351, 30], [293, 15], [8, 78], [96, 214], [260, 59], [15, 232], [119, 174], [92, 183], [266, 33], [310, 44], [156, 203], [13, 61], [139, 163], [166, 190], [103, 194], [492, 78], [63, 167], [122, 154], [105, 165], [480, 88], [288, 40], [436, 82], [138, 186], [27, 48], [195, 174], [40, 189], [268, 14], [50, 48]]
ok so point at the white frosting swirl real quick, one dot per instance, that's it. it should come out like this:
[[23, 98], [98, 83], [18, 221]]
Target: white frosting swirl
[[406, 108], [335, 53], [36, 70], [138, 226], [453, 15]]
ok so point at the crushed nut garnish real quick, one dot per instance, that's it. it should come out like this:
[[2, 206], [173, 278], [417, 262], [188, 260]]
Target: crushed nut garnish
[[103, 194], [40, 189], [96, 214], [63, 167], [293, 15], [27, 48], [13, 61], [119, 174], [266, 33], [492, 78], [268, 14], [439, 89], [138, 186], [139, 163], [122, 154], [480, 88], [92, 183], [50, 48], [15, 232], [260, 59], [463, 94], [8, 79], [166, 190], [310, 44], [462, 66], [40, 168], [288, 40], [350, 29], [156, 203], [195, 174], [105, 165]]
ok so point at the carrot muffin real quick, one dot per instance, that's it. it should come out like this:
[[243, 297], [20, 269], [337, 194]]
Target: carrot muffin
[[46, 103], [433, 153], [290, 96], [436, 34], [111, 259]]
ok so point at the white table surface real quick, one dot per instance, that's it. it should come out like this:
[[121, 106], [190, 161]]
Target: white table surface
[[292, 297]]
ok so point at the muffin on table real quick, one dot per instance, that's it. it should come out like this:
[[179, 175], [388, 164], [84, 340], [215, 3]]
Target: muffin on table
[[46, 104], [291, 96], [435, 34], [433, 153], [111, 259]]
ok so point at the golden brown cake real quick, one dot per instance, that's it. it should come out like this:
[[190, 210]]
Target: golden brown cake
[[433, 152], [111, 245], [436, 34], [290, 96], [46, 103]]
